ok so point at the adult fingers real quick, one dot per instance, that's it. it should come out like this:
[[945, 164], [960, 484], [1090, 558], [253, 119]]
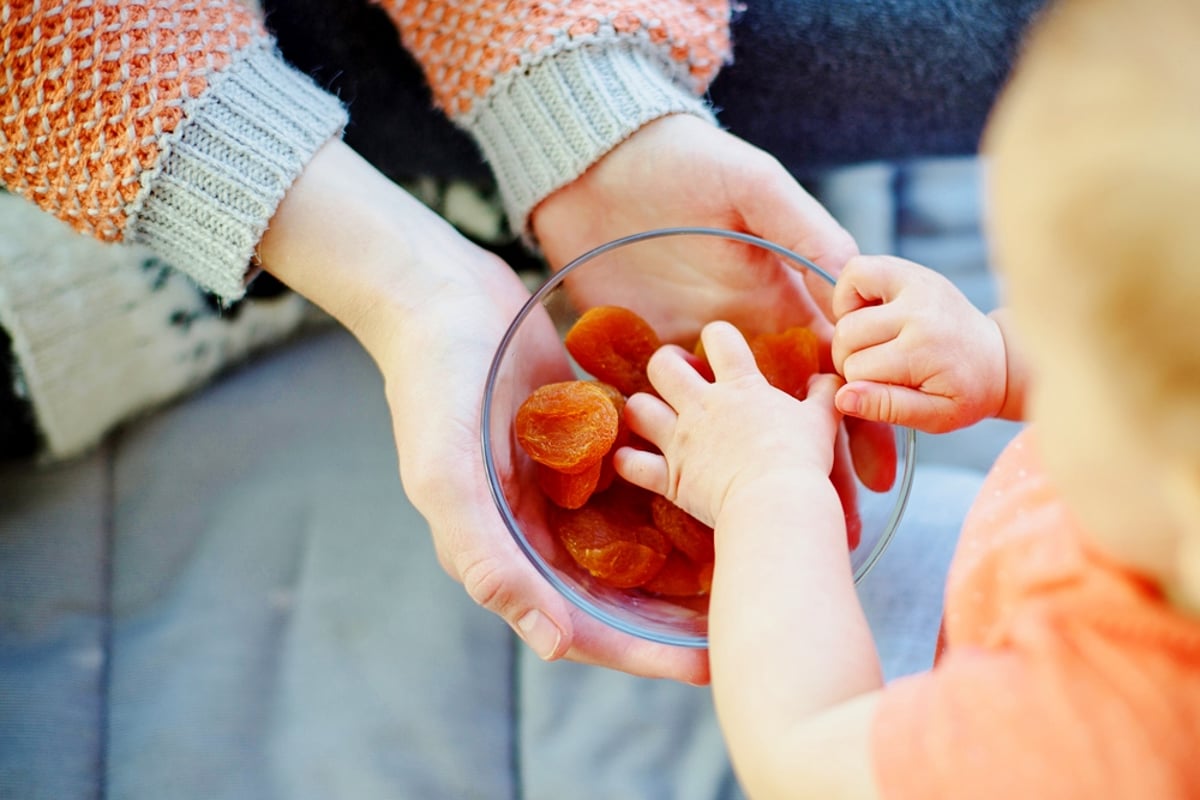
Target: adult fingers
[[822, 388], [498, 577], [842, 478], [776, 207], [601, 645], [873, 452]]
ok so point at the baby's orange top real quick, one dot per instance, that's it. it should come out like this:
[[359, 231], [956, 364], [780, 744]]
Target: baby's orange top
[[1062, 675]]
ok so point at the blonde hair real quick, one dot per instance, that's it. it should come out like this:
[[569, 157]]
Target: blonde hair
[[1095, 148]]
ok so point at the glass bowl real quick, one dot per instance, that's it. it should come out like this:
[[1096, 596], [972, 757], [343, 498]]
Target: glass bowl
[[532, 353]]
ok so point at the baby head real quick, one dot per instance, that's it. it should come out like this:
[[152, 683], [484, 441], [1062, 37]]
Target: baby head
[[1094, 192]]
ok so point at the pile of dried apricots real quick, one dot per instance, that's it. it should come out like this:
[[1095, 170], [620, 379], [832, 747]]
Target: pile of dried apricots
[[625, 536]]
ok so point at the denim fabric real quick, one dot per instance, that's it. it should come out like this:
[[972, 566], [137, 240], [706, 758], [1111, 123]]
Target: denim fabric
[[253, 615], [54, 629]]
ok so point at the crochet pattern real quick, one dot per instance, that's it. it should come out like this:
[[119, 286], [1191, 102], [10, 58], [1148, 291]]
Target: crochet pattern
[[122, 75], [472, 49]]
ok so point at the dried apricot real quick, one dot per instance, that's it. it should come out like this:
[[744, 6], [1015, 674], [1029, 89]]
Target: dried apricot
[[568, 426], [626, 504], [681, 577], [686, 532], [788, 359], [614, 344], [616, 554], [567, 490], [613, 393]]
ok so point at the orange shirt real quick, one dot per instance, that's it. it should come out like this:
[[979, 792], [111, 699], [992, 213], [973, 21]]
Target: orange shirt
[[1063, 674]]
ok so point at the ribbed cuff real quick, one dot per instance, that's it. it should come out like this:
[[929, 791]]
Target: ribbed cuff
[[545, 128], [226, 169]]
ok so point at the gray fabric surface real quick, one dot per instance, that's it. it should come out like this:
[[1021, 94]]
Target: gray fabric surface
[[53, 629]]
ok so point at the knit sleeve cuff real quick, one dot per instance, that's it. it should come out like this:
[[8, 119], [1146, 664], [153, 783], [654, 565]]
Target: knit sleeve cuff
[[545, 128], [227, 166]]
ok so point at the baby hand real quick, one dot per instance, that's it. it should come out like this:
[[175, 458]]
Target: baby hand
[[716, 437], [912, 348]]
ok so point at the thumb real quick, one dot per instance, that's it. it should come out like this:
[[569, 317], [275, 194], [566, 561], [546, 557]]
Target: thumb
[[502, 580], [822, 390], [895, 405], [777, 208]]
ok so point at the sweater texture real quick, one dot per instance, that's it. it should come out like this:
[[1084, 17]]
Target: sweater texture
[[177, 125], [173, 128]]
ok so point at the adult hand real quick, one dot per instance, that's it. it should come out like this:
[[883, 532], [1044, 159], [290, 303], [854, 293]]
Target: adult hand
[[913, 349], [430, 307], [683, 171]]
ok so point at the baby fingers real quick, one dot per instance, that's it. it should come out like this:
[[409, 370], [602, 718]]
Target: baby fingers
[[898, 405], [865, 328], [728, 354], [655, 421], [673, 374], [642, 468], [889, 362], [650, 418]]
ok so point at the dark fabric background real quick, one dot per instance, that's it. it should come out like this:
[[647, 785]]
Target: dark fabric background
[[816, 83]]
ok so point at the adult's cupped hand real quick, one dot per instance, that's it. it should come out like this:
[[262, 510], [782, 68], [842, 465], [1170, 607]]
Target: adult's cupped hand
[[682, 171]]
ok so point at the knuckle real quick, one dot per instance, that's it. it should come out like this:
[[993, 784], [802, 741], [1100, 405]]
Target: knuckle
[[485, 581], [851, 368], [881, 406]]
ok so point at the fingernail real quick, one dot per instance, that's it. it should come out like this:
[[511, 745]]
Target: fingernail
[[847, 402], [542, 635]]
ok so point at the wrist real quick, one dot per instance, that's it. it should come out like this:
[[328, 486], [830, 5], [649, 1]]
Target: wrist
[[205, 208], [344, 237], [794, 496], [535, 138], [1014, 374]]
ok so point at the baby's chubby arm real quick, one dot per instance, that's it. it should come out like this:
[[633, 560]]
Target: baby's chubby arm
[[915, 352], [794, 668]]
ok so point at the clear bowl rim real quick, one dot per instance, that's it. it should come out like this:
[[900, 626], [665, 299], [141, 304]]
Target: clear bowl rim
[[497, 491]]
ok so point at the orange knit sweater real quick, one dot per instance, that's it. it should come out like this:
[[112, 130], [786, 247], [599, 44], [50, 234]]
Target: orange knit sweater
[[131, 119], [467, 48], [91, 91]]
